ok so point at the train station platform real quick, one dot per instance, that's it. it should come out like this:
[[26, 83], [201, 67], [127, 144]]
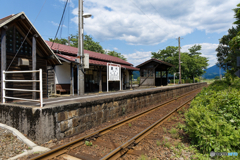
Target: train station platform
[[56, 101], [65, 116]]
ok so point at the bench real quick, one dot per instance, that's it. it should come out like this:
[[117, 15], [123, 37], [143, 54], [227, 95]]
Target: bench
[[63, 88]]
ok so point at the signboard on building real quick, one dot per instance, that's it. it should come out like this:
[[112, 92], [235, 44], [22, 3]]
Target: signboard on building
[[113, 73]]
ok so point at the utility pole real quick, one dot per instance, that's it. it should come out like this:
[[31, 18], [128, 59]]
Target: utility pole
[[68, 40], [180, 81], [80, 49]]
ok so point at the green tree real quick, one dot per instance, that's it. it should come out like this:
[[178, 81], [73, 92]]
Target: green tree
[[228, 48], [217, 77], [89, 43], [193, 64], [116, 54], [60, 41]]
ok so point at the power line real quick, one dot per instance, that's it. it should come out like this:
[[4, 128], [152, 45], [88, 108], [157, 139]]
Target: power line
[[26, 36], [60, 21], [145, 14], [153, 6]]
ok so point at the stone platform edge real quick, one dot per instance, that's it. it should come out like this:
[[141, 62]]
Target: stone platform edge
[[68, 118]]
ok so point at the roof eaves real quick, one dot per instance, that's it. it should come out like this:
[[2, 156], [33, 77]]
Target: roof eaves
[[11, 19], [22, 13]]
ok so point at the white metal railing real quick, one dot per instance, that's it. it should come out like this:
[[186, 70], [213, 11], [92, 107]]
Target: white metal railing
[[4, 89]]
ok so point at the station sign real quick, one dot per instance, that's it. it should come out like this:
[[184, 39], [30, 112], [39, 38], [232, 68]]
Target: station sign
[[113, 73]]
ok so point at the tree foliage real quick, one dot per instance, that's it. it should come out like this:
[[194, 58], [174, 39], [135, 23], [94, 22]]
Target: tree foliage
[[116, 54], [213, 119], [228, 48], [89, 44], [193, 64], [60, 41]]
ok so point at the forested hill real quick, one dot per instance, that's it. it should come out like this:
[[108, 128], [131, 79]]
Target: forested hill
[[136, 74], [212, 72]]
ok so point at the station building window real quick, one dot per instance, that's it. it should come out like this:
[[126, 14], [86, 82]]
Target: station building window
[[158, 74], [13, 43]]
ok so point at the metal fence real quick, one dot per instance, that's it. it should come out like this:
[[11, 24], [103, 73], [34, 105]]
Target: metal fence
[[4, 89]]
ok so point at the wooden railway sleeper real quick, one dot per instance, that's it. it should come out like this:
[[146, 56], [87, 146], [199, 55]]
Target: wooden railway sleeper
[[93, 137], [133, 144]]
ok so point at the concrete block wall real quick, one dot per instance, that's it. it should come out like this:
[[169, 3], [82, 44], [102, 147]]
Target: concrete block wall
[[44, 124]]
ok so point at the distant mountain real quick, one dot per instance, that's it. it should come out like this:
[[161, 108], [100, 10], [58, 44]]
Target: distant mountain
[[136, 74], [212, 72]]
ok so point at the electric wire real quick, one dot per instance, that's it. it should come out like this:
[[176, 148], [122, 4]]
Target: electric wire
[[62, 25], [60, 22], [152, 6], [26, 36], [145, 14]]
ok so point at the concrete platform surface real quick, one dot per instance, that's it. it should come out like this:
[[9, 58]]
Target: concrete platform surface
[[51, 102]]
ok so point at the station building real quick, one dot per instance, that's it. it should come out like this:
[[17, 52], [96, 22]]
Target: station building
[[32, 54], [63, 78], [154, 72]]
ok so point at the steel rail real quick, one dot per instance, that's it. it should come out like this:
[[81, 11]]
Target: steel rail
[[118, 152], [80, 141]]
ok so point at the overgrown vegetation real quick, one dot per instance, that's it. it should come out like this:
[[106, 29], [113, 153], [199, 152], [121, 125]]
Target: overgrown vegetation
[[213, 120]]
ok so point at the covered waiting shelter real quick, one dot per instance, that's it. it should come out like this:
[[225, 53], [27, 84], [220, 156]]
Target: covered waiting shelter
[[154, 72]]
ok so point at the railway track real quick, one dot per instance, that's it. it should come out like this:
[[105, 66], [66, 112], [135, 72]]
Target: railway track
[[115, 140]]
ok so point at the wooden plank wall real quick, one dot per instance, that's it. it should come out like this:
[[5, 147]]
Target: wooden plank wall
[[41, 63], [51, 79]]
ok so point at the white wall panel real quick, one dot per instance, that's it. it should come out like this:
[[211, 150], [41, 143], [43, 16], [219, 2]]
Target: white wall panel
[[62, 73]]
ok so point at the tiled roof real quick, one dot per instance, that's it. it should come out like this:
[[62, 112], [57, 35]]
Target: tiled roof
[[95, 62], [92, 55], [5, 18], [25, 23], [156, 60]]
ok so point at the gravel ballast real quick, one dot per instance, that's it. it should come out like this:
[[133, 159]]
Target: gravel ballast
[[10, 145]]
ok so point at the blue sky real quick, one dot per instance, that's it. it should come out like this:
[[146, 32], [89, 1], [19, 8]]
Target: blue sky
[[135, 28]]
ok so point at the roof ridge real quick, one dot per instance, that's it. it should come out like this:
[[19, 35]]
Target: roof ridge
[[108, 58]]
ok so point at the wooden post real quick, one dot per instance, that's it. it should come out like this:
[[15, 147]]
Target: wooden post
[[100, 80], [122, 80], [72, 80], [131, 73], [167, 76], [34, 66], [161, 78], [3, 58]]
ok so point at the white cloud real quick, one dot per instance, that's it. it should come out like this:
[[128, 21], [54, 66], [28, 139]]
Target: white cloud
[[107, 50], [57, 24], [138, 57], [115, 48], [208, 50], [153, 22]]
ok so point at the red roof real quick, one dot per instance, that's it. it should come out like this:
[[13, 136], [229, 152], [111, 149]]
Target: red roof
[[5, 18], [95, 62], [156, 60], [92, 55]]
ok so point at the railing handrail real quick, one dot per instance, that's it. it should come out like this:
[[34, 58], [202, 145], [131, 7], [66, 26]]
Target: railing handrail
[[23, 90], [33, 71]]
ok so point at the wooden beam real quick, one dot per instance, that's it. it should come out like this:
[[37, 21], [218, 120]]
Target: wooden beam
[[161, 78], [34, 65], [167, 76], [27, 39], [100, 80], [72, 80], [131, 77], [3, 57]]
